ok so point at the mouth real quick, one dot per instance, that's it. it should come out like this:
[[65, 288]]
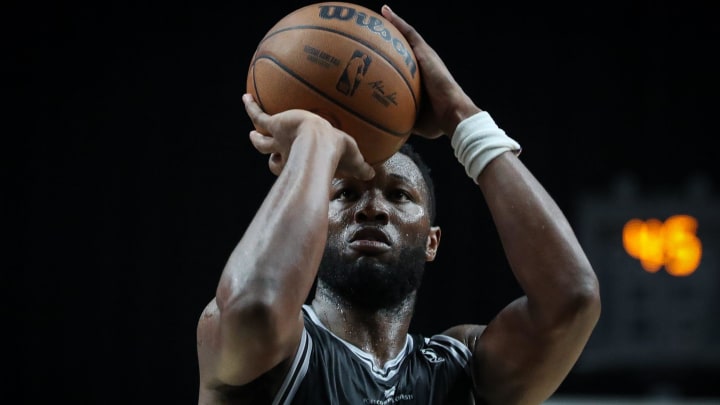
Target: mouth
[[370, 241]]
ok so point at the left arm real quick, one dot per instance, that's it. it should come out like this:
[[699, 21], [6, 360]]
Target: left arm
[[527, 350]]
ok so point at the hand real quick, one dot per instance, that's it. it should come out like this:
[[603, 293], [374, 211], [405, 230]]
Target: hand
[[275, 134], [444, 102]]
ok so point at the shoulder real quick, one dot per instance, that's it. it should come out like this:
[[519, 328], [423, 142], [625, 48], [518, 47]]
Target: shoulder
[[467, 334], [449, 345]]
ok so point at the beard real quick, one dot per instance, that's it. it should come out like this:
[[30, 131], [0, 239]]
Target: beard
[[369, 284]]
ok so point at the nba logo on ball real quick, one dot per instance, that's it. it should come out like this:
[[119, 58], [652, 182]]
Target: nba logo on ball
[[353, 73], [345, 63]]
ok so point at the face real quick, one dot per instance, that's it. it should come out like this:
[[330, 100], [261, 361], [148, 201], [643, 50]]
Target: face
[[379, 237]]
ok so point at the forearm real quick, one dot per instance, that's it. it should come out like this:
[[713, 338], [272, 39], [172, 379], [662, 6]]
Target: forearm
[[541, 247], [275, 262]]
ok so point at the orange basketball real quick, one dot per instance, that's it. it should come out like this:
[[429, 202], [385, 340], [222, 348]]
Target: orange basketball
[[346, 63]]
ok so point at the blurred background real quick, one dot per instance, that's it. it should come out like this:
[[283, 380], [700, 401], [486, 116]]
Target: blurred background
[[131, 179]]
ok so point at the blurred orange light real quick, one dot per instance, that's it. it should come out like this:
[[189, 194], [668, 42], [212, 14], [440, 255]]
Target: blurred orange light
[[672, 244]]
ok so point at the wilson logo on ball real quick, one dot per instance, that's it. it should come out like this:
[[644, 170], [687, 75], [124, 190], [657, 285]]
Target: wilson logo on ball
[[373, 24]]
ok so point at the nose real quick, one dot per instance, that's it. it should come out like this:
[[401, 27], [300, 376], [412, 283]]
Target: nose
[[372, 207]]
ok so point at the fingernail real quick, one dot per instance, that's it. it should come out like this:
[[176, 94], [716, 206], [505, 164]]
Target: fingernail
[[385, 6]]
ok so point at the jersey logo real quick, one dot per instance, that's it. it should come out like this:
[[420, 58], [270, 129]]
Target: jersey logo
[[390, 397], [431, 356]]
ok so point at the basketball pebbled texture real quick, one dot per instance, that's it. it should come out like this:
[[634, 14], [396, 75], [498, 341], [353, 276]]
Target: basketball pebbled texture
[[346, 63]]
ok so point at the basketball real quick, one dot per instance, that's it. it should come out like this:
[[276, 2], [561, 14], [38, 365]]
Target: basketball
[[345, 63]]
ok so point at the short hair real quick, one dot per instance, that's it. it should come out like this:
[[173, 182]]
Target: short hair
[[409, 151]]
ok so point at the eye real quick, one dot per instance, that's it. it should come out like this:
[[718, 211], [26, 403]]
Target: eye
[[399, 195], [345, 194]]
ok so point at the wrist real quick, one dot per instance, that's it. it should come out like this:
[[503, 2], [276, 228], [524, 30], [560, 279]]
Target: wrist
[[460, 117], [460, 113], [477, 140]]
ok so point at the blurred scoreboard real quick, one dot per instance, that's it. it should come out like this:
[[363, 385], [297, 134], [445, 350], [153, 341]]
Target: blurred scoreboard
[[652, 318]]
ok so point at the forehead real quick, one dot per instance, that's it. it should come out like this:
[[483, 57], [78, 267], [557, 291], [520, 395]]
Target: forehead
[[401, 167]]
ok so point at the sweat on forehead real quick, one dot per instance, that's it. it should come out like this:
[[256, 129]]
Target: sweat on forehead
[[407, 150], [402, 167]]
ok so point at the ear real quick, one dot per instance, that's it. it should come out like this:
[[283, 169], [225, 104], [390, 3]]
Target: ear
[[432, 243]]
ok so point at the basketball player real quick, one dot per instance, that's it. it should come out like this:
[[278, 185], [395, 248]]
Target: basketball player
[[366, 233]]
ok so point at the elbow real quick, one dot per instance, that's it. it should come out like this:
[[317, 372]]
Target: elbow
[[588, 303], [247, 290], [582, 305], [575, 306], [589, 292], [252, 304]]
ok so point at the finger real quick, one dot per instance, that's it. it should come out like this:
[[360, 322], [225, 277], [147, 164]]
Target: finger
[[356, 164], [256, 114], [406, 29], [366, 172], [275, 163], [263, 143], [363, 170]]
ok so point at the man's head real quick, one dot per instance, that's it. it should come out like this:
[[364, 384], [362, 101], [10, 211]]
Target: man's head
[[380, 234]]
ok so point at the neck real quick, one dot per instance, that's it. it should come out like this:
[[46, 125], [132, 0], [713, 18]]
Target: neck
[[379, 332]]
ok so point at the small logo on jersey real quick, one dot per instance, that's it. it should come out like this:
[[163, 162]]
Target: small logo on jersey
[[390, 397], [431, 356], [353, 74]]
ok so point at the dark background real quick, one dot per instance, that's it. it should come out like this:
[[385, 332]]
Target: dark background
[[134, 177]]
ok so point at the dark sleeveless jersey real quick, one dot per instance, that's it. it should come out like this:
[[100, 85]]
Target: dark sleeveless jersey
[[329, 370]]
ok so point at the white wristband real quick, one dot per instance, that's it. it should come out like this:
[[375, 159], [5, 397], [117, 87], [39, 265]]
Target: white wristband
[[478, 140]]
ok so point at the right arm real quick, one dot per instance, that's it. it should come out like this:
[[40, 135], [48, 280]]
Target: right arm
[[255, 322]]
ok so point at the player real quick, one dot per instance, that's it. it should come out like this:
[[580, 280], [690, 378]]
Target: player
[[364, 235]]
